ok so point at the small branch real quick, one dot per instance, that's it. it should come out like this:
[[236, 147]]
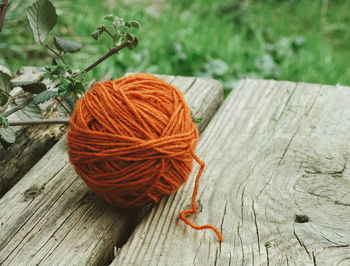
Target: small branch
[[111, 52], [108, 32], [3, 6], [53, 51], [15, 109], [64, 121]]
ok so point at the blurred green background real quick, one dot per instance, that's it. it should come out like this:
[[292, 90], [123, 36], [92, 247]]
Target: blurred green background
[[305, 40]]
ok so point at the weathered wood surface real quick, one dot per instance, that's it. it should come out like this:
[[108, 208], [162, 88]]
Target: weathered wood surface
[[277, 155], [50, 218]]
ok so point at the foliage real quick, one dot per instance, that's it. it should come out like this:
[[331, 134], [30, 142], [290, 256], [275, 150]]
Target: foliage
[[65, 84], [118, 30]]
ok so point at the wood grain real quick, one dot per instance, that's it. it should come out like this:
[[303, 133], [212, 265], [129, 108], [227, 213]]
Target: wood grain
[[51, 218], [277, 183]]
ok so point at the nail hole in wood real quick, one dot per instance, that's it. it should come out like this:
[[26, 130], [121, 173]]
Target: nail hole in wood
[[301, 218], [268, 244]]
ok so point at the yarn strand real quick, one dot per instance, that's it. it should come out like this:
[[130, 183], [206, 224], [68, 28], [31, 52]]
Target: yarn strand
[[194, 208]]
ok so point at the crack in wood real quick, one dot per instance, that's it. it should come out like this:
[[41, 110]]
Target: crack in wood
[[222, 222], [241, 241], [314, 258], [196, 254], [242, 206], [313, 103], [278, 165], [267, 256], [216, 258], [338, 246], [301, 243], [256, 226]]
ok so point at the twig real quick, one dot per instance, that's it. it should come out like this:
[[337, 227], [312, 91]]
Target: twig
[[15, 109], [64, 121], [110, 34], [53, 51], [113, 51], [3, 6]]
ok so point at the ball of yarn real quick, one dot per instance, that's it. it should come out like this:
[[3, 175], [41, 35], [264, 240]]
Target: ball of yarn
[[132, 140]]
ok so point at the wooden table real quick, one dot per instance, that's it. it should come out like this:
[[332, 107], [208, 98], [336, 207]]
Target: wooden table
[[277, 183]]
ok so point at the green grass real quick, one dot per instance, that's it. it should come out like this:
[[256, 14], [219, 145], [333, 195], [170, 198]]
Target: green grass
[[287, 40]]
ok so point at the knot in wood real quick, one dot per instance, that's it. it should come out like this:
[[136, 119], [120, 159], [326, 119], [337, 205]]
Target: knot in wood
[[32, 193]]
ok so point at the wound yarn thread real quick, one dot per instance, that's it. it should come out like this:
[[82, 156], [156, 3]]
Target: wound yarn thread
[[132, 141]]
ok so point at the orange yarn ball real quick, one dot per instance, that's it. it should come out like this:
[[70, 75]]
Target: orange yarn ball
[[132, 140]]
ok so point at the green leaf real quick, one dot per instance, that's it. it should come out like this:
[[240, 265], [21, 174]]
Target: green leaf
[[44, 96], [130, 36], [29, 86], [196, 120], [5, 69], [97, 33], [118, 22], [4, 122], [5, 83], [79, 87], [62, 90], [3, 98], [134, 42], [7, 134], [41, 17], [135, 24], [69, 101], [28, 112], [66, 46]]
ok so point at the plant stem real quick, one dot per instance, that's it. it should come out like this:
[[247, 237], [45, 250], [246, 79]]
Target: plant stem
[[3, 6], [64, 121], [108, 32], [15, 109], [53, 51], [111, 52]]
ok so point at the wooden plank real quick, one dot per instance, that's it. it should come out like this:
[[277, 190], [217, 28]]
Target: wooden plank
[[65, 223], [277, 183], [19, 157]]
